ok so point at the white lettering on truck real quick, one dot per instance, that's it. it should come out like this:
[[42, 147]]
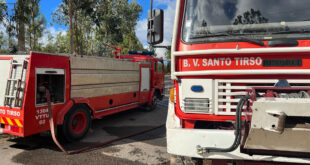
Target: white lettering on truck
[[42, 115], [13, 113], [215, 62], [2, 111], [9, 112], [185, 63]]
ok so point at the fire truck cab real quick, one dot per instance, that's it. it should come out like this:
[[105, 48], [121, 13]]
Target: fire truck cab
[[241, 72], [157, 68]]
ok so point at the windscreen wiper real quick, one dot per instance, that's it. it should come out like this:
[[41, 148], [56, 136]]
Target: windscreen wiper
[[286, 42], [250, 40], [283, 43], [292, 31]]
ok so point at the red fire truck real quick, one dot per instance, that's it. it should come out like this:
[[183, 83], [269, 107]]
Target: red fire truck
[[241, 72], [157, 68], [81, 89]]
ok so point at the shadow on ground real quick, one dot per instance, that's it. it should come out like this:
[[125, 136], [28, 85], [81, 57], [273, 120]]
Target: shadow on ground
[[40, 149]]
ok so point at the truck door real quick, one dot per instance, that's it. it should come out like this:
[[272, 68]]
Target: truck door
[[159, 75], [145, 79], [4, 74]]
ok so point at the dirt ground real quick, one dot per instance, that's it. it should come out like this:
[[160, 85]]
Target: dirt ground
[[147, 148]]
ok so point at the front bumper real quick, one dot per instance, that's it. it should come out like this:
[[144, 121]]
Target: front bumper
[[184, 142]]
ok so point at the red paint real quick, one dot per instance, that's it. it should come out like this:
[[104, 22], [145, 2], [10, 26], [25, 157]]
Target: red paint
[[78, 122], [157, 77], [190, 124], [6, 58], [200, 63], [240, 62], [62, 112], [11, 113], [35, 117]]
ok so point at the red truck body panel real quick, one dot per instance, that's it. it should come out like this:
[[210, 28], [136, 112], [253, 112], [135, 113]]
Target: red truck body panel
[[31, 118]]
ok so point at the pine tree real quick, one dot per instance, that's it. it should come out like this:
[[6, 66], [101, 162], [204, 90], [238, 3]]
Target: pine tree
[[35, 25]]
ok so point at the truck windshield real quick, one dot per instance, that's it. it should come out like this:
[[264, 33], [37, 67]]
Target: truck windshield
[[227, 20]]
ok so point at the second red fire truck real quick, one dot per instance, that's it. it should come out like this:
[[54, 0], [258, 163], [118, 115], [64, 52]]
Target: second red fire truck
[[81, 88]]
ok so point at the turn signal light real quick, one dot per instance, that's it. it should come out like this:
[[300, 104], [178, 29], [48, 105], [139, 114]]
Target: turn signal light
[[172, 97]]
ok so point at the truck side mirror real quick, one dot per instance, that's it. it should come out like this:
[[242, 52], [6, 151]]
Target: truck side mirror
[[155, 29]]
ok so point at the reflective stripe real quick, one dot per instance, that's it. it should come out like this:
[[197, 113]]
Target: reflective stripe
[[9, 121], [2, 121], [18, 123], [13, 122]]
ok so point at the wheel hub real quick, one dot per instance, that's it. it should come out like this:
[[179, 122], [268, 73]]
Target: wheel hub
[[78, 123]]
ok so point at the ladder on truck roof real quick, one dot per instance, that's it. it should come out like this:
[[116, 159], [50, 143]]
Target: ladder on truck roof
[[15, 84]]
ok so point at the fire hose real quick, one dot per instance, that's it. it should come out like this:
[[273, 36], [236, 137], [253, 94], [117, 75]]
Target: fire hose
[[237, 131], [52, 129]]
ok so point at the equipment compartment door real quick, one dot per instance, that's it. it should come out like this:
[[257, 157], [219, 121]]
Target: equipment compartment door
[[145, 79], [4, 74]]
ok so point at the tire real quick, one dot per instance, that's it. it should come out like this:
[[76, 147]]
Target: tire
[[76, 123], [182, 160], [153, 106]]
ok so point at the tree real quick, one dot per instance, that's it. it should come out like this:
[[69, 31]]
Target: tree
[[21, 19], [131, 42], [76, 13], [95, 23], [70, 25], [2, 41], [50, 46], [168, 54], [250, 17], [35, 25], [10, 25], [62, 43], [152, 49], [3, 9]]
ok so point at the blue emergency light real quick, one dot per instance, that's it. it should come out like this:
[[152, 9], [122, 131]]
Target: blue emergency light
[[148, 53], [197, 88]]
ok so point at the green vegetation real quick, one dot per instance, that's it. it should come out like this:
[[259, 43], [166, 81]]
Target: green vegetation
[[92, 25]]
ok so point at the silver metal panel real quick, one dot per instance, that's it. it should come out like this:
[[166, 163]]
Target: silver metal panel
[[4, 74], [50, 71], [145, 79], [264, 133]]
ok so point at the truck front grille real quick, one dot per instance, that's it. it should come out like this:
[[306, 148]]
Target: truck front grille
[[197, 105], [228, 92]]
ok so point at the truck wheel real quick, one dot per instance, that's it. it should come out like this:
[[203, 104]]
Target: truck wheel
[[76, 123], [181, 160], [153, 105]]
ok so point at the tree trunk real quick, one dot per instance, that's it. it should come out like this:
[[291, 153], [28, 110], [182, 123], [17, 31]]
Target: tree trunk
[[76, 33], [21, 26], [33, 31], [70, 26]]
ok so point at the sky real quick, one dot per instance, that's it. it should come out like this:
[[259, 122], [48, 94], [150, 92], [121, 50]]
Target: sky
[[49, 6]]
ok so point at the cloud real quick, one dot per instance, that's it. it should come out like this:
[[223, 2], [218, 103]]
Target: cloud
[[53, 31], [141, 28]]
